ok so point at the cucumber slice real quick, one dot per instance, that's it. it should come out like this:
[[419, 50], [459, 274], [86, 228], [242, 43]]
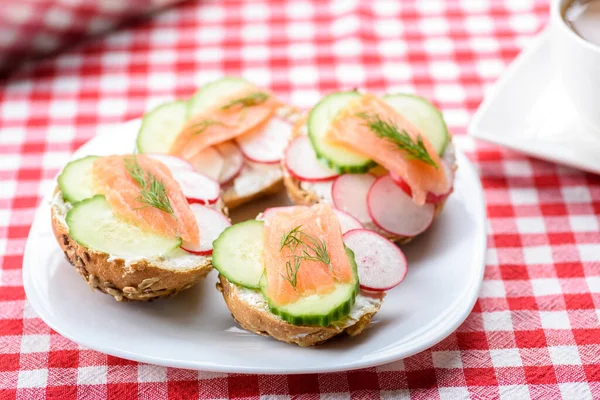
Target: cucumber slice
[[321, 310], [161, 126], [238, 253], [424, 116], [75, 180], [211, 94], [338, 158], [93, 224]]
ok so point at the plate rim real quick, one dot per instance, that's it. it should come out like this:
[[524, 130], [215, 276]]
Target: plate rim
[[442, 329]]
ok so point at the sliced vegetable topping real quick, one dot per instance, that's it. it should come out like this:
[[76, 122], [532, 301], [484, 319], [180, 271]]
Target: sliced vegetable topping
[[349, 193], [424, 116], [233, 162], [394, 211], [381, 264], [211, 223], [374, 128], [302, 163], [143, 192], [93, 223], [267, 144], [197, 188], [74, 180]]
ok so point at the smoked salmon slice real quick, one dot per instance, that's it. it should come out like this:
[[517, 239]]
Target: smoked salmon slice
[[313, 227], [112, 178], [246, 111], [351, 130]]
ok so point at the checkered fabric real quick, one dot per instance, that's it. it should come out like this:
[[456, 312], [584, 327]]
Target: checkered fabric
[[534, 332], [31, 29]]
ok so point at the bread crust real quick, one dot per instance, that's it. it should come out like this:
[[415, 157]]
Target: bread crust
[[139, 281], [262, 322]]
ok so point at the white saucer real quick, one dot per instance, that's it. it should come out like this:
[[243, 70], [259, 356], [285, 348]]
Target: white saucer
[[195, 330], [528, 110]]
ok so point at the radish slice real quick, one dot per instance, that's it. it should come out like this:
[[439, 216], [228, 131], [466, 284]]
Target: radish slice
[[171, 162], [301, 161], [197, 188], [381, 264], [233, 162], [266, 145], [210, 224], [270, 212], [431, 197], [347, 221], [208, 162], [349, 194], [394, 211]]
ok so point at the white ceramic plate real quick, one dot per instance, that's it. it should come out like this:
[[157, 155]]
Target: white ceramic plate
[[528, 110], [195, 330]]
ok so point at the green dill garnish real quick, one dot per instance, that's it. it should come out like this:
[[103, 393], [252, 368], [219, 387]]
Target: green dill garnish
[[203, 125], [389, 130], [152, 191], [253, 99], [313, 249]]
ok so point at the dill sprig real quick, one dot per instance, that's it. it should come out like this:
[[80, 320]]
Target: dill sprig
[[253, 99], [389, 130], [152, 191], [313, 249], [203, 125]]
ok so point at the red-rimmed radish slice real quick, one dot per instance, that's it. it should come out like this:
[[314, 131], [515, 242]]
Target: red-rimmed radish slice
[[233, 161], [171, 162], [208, 162], [270, 212], [347, 221], [381, 264], [349, 193], [197, 188], [431, 197], [210, 224], [302, 163], [266, 145], [394, 211]]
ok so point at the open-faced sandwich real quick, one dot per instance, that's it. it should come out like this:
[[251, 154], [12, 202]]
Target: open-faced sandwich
[[136, 227], [388, 162], [296, 275], [231, 131]]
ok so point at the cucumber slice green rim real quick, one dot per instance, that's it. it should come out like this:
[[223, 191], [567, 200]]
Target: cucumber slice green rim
[[337, 158], [93, 224], [161, 126], [75, 180], [238, 253], [319, 310], [424, 116], [211, 93]]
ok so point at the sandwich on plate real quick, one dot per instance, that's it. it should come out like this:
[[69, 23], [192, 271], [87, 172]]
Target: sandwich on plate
[[301, 275], [137, 227], [231, 131], [387, 161]]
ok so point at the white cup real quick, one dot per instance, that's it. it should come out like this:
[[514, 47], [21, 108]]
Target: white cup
[[578, 63]]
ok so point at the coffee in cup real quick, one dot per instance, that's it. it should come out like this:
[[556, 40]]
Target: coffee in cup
[[583, 17]]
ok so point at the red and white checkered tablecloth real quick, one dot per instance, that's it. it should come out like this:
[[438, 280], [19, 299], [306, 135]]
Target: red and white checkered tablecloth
[[534, 332]]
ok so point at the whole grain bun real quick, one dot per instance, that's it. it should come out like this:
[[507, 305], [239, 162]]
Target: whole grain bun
[[141, 280], [256, 318]]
